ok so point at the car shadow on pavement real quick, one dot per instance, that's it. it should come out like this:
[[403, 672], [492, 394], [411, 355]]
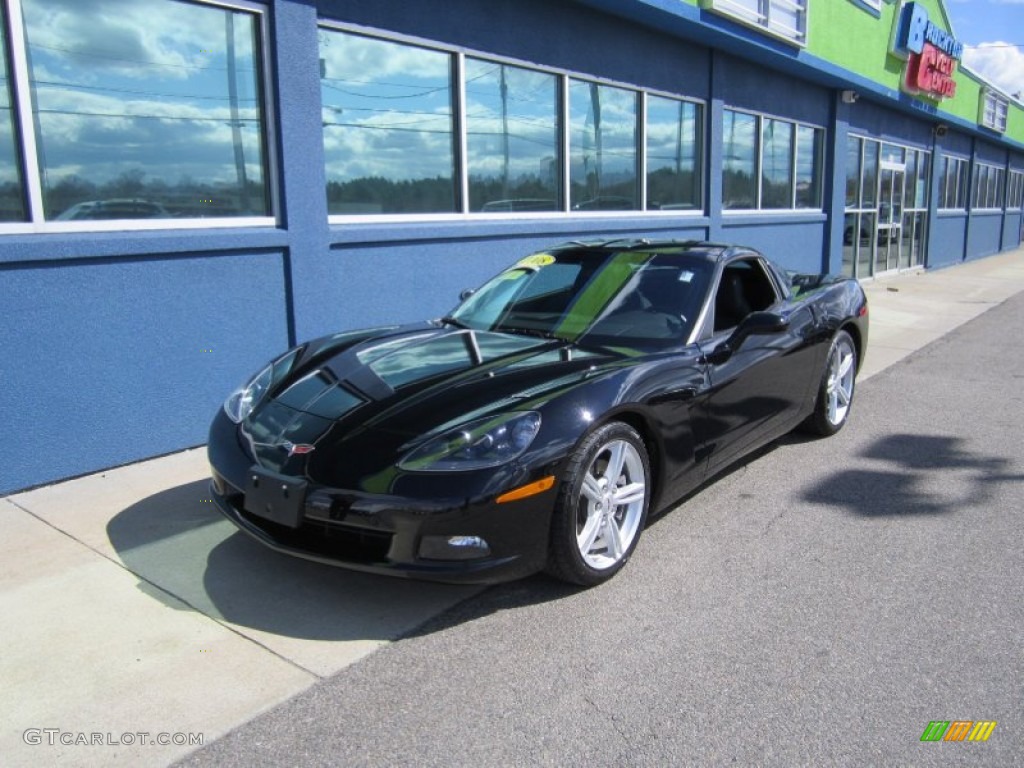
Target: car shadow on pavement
[[190, 558], [907, 474]]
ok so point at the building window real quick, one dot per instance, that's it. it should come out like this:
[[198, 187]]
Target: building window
[[1015, 190], [770, 164], [673, 154], [602, 147], [994, 109], [412, 129], [783, 18], [739, 161], [512, 147], [871, 5], [953, 183], [388, 126], [12, 192], [886, 207], [987, 187], [808, 166], [776, 166], [156, 113], [861, 217]]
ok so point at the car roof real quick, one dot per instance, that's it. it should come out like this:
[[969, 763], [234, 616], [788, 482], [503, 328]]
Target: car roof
[[712, 252]]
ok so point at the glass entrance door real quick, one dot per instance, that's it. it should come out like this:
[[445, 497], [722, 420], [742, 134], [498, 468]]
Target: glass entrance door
[[891, 190]]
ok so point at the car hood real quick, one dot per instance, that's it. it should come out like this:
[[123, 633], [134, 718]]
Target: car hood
[[353, 408]]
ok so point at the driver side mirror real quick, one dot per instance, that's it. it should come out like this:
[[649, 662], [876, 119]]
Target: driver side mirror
[[465, 293], [754, 324]]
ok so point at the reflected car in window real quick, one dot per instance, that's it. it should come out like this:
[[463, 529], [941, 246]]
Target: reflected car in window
[[519, 204], [539, 423], [114, 209]]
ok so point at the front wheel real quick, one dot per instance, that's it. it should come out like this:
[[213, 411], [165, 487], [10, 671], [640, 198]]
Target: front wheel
[[835, 392], [602, 506]]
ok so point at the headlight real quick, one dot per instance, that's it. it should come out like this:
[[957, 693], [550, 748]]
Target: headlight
[[477, 445], [241, 402]]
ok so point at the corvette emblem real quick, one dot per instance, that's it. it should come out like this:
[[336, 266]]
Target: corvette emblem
[[299, 448]]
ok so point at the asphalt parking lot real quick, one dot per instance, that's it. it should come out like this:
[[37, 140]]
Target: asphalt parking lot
[[820, 604]]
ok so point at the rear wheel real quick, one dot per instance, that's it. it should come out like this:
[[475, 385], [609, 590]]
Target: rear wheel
[[602, 506], [835, 392]]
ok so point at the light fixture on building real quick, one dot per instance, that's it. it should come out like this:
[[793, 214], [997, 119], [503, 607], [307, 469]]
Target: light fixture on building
[[941, 130], [849, 97]]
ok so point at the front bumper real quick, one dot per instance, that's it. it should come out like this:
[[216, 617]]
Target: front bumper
[[400, 536]]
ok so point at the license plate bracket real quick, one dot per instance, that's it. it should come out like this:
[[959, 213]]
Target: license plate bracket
[[278, 498]]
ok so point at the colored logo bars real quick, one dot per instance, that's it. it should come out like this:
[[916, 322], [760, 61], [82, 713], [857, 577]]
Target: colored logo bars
[[958, 730]]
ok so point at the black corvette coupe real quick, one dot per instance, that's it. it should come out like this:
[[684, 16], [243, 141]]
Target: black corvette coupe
[[536, 426]]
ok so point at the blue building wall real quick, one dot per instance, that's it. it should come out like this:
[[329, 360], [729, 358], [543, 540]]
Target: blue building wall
[[984, 234], [1011, 235], [116, 346], [947, 239], [110, 359]]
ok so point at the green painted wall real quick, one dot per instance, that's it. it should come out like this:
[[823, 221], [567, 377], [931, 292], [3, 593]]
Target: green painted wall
[[845, 34]]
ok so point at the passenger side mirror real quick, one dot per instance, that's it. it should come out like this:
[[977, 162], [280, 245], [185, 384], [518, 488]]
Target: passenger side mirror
[[754, 324], [465, 293]]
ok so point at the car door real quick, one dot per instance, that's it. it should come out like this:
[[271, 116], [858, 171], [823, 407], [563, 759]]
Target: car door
[[758, 391]]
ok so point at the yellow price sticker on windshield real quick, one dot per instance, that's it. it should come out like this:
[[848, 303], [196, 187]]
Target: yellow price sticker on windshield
[[537, 260]]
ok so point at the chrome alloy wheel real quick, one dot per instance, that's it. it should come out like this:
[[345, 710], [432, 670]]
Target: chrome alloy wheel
[[839, 386], [611, 504]]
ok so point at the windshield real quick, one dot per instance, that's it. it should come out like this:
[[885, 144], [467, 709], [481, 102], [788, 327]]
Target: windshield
[[639, 298]]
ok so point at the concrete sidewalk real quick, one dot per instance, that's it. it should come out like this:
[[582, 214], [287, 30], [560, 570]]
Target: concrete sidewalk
[[134, 614]]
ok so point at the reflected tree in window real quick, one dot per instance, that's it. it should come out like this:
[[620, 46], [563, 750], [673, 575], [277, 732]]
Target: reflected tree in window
[[808, 167], [673, 154], [12, 198], [388, 135], [776, 164], [602, 151], [853, 151], [739, 161], [511, 138], [146, 108]]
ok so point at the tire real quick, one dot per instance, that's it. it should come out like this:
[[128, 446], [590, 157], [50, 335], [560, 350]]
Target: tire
[[592, 503], [835, 392]]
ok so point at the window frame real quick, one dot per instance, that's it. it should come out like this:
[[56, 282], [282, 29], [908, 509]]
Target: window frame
[[562, 109], [761, 19], [871, 6], [988, 187], [1015, 189], [794, 159], [871, 154], [961, 192], [27, 150], [993, 110]]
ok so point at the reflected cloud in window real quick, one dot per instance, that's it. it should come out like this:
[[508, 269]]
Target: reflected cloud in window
[[387, 117], [154, 101], [511, 138], [739, 162], [12, 198], [602, 147], [673, 165], [776, 170]]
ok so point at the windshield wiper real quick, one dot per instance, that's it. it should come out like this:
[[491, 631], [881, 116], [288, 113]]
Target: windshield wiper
[[539, 332], [449, 320]]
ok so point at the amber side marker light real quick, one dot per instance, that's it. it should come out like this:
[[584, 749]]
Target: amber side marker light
[[525, 491]]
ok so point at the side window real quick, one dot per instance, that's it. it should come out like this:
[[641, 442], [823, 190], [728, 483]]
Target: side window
[[744, 288]]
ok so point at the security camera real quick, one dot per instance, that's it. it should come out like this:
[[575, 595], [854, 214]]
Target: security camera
[[941, 130], [849, 97]]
